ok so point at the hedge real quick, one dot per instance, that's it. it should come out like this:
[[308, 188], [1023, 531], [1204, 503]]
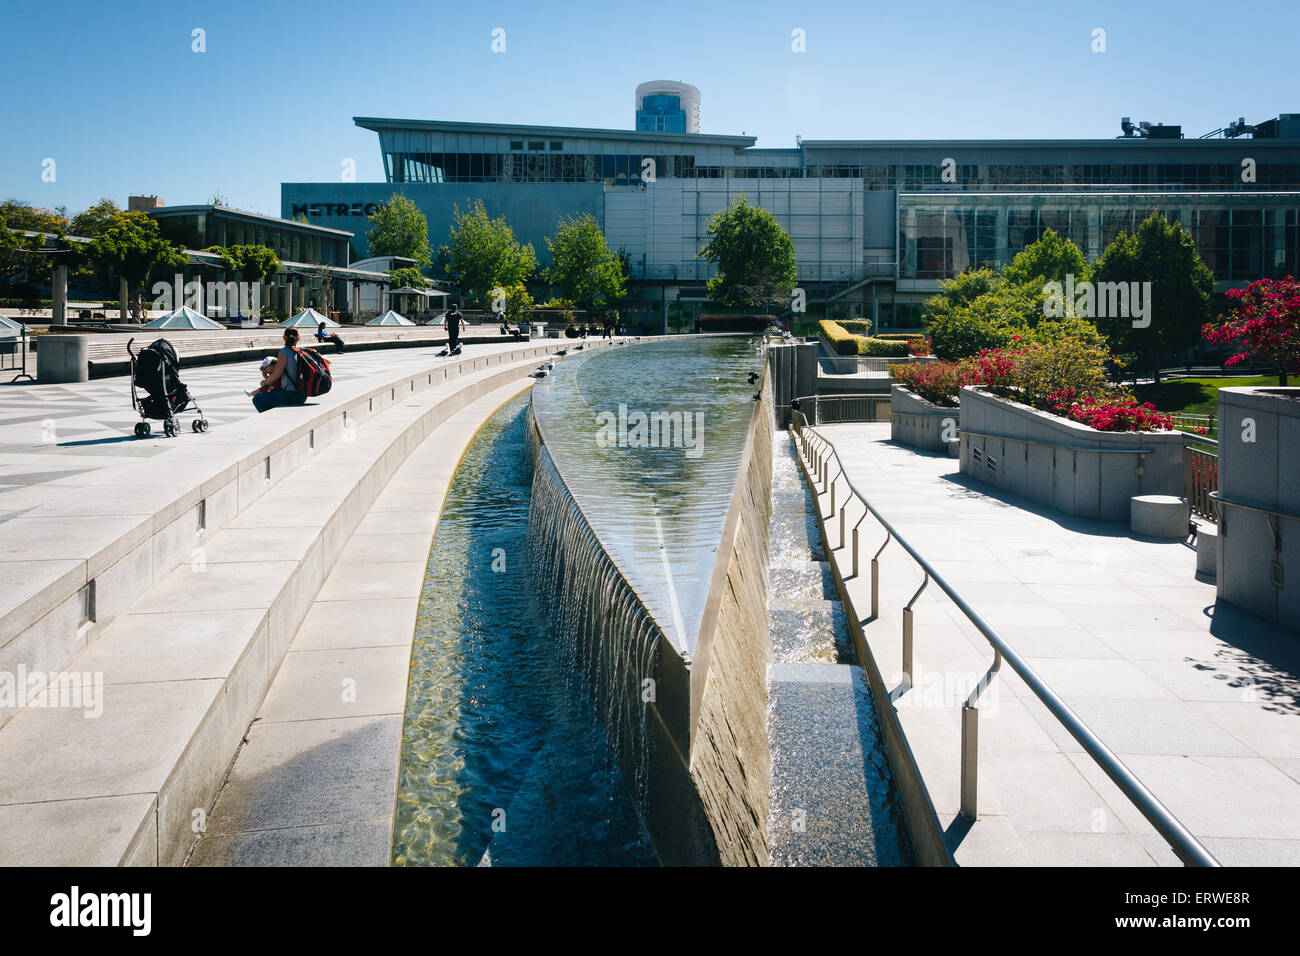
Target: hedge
[[846, 343]]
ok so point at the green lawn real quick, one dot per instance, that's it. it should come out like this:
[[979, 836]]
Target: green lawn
[[1193, 396]]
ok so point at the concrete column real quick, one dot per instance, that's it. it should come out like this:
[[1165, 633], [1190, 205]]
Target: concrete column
[[356, 302], [121, 300], [288, 297], [59, 291], [62, 358]]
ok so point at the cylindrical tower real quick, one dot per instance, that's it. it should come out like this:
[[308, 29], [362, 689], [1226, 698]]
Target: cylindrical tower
[[667, 106]]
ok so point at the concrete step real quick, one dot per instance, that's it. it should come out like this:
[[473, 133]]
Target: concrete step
[[832, 801], [315, 781], [85, 547], [185, 667]]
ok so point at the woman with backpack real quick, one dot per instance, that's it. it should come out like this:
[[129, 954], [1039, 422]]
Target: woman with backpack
[[286, 370]]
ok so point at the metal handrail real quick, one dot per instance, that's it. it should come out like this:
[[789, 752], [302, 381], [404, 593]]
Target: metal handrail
[[1180, 839]]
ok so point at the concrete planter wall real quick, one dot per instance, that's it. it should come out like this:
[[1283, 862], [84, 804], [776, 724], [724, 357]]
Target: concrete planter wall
[[1259, 468], [1063, 464], [918, 423]]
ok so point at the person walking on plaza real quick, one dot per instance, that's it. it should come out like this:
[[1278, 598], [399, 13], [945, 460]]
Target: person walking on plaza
[[322, 336], [285, 371], [454, 322]]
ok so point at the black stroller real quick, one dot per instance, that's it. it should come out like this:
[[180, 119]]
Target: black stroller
[[155, 370]]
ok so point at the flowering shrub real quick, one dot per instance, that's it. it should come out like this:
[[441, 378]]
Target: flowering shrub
[[1266, 323], [936, 382], [1066, 378], [918, 345], [1122, 414]]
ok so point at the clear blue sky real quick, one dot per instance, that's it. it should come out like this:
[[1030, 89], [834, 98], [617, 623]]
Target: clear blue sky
[[115, 95]]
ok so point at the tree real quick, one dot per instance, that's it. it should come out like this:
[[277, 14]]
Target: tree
[[95, 220], [1049, 259], [398, 228], [582, 265], [482, 253], [753, 255], [407, 276], [1178, 306], [24, 217], [131, 248], [252, 263], [514, 301], [1266, 323]]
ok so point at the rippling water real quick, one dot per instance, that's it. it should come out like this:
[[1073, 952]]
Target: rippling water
[[504, 760], [657, 497]]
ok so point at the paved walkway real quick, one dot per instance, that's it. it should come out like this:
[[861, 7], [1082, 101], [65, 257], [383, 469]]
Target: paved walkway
[[1202, 702], [61, 431]]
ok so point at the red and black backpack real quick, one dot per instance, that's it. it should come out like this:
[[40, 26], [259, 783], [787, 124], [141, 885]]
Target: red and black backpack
[[314, 377]]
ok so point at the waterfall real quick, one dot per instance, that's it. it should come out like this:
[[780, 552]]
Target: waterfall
[[607, 638]]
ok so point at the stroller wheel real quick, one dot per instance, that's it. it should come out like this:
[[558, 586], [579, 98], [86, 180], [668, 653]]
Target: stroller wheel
[[142, 429], [200, 424]]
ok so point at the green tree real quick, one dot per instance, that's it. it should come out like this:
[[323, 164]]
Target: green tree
[[96, 219], [582, 266], [398, 228], [753, 255], [1163, 254], [131, 248], [482, 253], [407, 276], [251, 263], [514, 301], [24, 217], [1051, 258]]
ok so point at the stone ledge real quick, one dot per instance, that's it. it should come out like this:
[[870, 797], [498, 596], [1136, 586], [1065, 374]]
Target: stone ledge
[[126, 553], [182, 717]]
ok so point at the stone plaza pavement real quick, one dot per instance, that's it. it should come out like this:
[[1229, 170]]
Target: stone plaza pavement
[[1200, 700], [61, 431]]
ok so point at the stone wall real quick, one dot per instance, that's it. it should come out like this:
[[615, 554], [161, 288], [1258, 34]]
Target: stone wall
[[1259, 468], [917, 423], [1064, 464], [730, 760]]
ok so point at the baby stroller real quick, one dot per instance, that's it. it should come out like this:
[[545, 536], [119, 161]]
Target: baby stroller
[[155, 370]]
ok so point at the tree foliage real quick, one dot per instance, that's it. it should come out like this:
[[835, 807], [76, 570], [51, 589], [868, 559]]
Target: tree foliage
[[131, 248], [1264, 325], [514, 301], [481, 253], [1163, 254], [398, 228], [753, 255], [582, 265], [407, 276], [251, 263], [1050, 259]]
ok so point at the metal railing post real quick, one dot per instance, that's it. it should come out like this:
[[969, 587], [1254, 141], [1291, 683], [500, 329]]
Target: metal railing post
[[970, 742], [907, 631], [875, 578]]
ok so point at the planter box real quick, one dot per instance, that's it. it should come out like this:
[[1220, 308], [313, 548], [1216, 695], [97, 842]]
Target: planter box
[[1259, 466], [1064, 464], [917, 423]]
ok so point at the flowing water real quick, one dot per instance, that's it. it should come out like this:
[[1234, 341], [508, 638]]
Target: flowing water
[[648, 439], [504, 759]]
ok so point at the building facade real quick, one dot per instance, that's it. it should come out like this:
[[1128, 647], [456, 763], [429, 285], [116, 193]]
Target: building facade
[[876, 225]]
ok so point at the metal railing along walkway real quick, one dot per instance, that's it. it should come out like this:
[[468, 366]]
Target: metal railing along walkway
[[818, 456]]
